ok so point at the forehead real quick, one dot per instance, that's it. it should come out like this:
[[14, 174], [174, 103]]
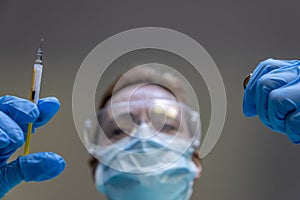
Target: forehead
[[142, 91]]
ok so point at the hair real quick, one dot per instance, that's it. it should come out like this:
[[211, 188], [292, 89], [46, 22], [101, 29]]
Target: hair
[[146, 73]]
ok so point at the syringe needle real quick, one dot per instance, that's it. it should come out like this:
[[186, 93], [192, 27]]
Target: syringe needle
[[41, 42]]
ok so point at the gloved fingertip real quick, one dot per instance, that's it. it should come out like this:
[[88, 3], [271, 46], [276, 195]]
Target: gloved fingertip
[[41, 166], [248, 112], [292, 134], [294, 140], [48, 107], [50, 104], [292, 126]]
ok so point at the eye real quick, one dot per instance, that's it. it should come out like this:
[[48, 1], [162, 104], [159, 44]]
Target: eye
[[117, 132], [168, 128]]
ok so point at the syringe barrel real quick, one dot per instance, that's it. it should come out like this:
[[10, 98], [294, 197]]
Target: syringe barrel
[[36, 85]]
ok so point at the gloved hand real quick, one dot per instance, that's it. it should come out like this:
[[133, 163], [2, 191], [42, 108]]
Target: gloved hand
[[273, 93], [15, 114]]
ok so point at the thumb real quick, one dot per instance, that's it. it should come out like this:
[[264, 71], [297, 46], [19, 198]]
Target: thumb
[[41, 166], [34, 167]]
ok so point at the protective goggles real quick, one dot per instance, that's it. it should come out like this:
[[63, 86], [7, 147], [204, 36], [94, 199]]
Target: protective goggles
[[120, 120]]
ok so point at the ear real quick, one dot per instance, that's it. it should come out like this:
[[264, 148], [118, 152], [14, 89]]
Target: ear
[[196, 160]]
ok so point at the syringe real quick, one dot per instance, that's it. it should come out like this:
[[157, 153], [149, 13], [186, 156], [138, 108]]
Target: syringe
[[35, 90]]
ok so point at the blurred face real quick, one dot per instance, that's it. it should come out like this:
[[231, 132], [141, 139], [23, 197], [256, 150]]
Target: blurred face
[[145, 145]]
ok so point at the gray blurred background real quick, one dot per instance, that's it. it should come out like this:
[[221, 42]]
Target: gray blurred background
[[249, 161]]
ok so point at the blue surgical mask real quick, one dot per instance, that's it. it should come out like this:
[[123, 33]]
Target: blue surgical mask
[[157, 167]]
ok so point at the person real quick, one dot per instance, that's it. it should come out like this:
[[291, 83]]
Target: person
[[15, 114], [272, 93], [147, 143]]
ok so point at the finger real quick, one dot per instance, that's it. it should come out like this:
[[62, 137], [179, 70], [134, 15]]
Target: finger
[[249, 102], [293, 126], [282, 102], [41, 166], [11, 137], [269, 83], [48, 107], [34, 167], [22, 111]]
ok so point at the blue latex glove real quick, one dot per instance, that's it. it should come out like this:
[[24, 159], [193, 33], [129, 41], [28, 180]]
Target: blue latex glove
[[273, 93], [15, 114]]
